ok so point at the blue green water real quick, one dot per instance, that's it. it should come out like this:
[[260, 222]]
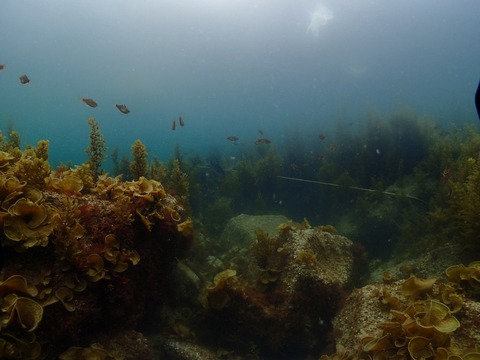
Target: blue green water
[[229, 68]]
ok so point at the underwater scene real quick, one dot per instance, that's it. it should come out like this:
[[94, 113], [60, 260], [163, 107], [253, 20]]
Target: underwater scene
[[239, 179]]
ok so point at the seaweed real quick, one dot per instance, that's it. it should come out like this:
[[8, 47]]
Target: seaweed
[[97, 148], [138, 166]]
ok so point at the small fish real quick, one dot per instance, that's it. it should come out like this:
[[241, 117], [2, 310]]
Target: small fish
[[232, 138], [181, 121], [91, 102], [2, 66], [174, 125], [262, 141], [24, 79], [321, 137], [260, 132], [123, 109], [477, 100]]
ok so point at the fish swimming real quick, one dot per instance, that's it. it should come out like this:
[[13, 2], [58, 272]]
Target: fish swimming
[[477, 100], [90, 102], [174, 125], [2, 66], [181, 121], [263, 141], [24, 79], [232, 138], [123, 109]]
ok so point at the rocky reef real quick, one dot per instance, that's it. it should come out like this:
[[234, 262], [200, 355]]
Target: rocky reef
[[411, 319], [83, 260], [272, 296]]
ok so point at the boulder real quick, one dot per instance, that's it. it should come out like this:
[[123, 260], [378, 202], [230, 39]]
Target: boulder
[[240, 230], [284, 300]]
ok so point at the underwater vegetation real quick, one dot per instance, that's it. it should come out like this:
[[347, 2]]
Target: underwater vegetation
[[454, 216], [138, 166], [78, 251], [422, 320], [83, 250], [400, 159], [97, 148]]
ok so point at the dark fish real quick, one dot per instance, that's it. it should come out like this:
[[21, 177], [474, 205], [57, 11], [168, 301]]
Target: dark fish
[[91, 102], [123, 109], [181, 121], [477, 100], [260, 132], [2, 66], [24, 79], [321, 137], [262, 141], [232, 138], [174, 125]]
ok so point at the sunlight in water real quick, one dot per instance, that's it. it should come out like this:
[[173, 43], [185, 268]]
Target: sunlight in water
[[319, 18]]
